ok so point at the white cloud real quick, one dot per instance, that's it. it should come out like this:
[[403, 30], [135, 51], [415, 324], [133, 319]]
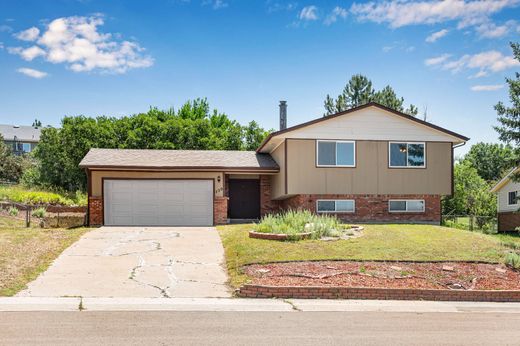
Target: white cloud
[[486, 62], [215, 4], [308, 13], [436, 60], [487, 87], [337, 13], [5, 28], [398, 13], [491, 30], [436, 35], [30, 34], [76, 42], [32, 73], [277, 7]]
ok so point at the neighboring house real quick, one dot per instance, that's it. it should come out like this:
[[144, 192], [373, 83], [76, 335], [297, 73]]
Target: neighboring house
[[367, 164], [21, 139], [508, 194]]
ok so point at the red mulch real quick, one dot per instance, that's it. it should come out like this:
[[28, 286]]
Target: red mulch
[[469, 276]]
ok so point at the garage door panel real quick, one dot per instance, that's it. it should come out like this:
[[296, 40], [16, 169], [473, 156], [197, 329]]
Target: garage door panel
[[158, 202]]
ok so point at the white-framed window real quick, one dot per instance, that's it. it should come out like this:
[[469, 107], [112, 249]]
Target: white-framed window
[[335, 153], [335, 206], [26, 147], [406, 205], [406, 154], [512, 198]]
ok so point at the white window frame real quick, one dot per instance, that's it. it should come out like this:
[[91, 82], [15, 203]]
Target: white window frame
[[407, 200], [407, 143], [516, 198], [335, 211], [26, 144], [334, 141]]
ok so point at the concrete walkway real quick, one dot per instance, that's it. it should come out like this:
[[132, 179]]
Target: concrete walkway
[[141, 262]]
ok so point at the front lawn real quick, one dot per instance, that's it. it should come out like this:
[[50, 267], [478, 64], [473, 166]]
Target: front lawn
[[27, 252], [379, 242]]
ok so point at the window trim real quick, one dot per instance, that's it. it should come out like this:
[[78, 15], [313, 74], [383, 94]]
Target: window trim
[[516, 197], [336, 211], [407, 211], [407, 143], [335, 141]]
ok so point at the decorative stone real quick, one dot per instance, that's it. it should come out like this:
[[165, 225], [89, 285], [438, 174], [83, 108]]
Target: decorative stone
[[396, 268], [448, 268], [501, 270]]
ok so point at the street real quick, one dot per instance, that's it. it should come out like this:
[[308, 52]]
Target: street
[[295, 327]]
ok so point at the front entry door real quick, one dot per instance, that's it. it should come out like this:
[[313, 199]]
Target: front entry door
[[244, 199]]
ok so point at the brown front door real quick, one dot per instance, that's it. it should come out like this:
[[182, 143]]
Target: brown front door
[[244, 199]]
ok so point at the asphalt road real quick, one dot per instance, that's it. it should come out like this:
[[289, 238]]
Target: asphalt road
[[249, 328]]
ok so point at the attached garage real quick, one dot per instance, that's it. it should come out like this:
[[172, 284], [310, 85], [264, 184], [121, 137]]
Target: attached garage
[[167, 187], [158, 202]]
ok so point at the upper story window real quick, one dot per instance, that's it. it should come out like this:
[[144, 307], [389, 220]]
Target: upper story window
[[407, 154], [512, 198], [336, 153], [26, 147]]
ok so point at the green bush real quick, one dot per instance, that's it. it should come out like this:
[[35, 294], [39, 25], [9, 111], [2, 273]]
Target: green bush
[[39, 212], [513, 260], [293, 222], [21, 195], [13, 211]]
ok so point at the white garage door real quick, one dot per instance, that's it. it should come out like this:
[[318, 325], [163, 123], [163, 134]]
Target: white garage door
[[158, 202]]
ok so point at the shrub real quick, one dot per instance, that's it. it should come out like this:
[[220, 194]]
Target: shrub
[[21, 195], [39, 212], [13, 211], [293, 222], [513, 260]]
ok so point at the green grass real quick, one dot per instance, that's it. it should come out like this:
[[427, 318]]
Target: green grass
[[27, 252], [379, 242], [29, 196], [510, 240]]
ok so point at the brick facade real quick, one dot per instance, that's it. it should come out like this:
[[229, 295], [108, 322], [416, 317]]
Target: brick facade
[[267, 205], [325, 292], [370, 208], [220, 210], [508, 221], [95, 211]]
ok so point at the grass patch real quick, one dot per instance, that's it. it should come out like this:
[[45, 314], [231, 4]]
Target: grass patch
[[379, 242], [19, 194], [27, 252]]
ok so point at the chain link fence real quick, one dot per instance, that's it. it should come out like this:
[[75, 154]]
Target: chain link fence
[[487, 224]]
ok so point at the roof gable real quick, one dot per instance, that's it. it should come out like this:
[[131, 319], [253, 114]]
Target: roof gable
[[367, 122], [505, 180]]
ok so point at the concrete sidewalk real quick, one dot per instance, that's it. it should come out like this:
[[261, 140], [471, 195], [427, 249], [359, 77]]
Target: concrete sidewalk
[[236, 304]]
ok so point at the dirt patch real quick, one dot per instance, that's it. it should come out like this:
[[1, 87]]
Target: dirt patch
[[449, 275]]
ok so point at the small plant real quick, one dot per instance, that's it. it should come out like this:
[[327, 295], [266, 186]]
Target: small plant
[[13, 211], [39, 212], [513, 260], [362, 269]]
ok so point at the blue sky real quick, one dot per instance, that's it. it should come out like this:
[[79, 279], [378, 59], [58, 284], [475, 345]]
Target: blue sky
[[70, 57]]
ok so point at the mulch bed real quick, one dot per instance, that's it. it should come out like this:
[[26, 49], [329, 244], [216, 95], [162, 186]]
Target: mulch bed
[[447, 275]]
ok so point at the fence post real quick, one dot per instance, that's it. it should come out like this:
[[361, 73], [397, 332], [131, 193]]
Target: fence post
[[27, 216], [471, 222]]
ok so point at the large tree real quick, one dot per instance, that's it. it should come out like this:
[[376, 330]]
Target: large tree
[[193, 126], [491, 160], [509, 115], [359, 91], [11, 166]]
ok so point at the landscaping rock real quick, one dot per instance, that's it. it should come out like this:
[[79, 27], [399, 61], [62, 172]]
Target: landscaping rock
[[396, 268], [448, 268], [63, 220], [501, 270]]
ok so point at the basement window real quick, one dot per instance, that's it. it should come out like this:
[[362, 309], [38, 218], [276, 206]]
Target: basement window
[[336, 153], [335, 206], [406, 155], [406, 206]]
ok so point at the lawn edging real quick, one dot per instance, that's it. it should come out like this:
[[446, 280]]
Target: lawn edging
[[328, 292]]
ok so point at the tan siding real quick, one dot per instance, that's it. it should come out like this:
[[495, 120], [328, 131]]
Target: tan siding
[[278, 180], [371, 174], [98, 175]]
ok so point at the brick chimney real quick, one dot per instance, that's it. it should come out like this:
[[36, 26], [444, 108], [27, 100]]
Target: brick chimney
[[283, 115]]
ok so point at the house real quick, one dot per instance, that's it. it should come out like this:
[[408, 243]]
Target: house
[[508, 201], [22, 139], [367, 164]]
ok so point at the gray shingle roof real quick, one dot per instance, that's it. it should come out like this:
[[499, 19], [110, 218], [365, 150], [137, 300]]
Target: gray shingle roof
[[22, 133], [196, 159]]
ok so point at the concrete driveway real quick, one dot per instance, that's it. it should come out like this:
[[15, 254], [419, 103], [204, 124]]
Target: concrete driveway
[[138, 262]]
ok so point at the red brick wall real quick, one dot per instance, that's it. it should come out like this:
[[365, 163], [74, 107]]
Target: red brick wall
[[324, 292], [267, 205], [508, 221], [372, 207], [95, 215], [220, 210]]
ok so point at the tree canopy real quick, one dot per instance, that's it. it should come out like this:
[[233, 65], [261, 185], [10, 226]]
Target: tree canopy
[[491, 160], [193, 126], [11, 166], [359, 91]]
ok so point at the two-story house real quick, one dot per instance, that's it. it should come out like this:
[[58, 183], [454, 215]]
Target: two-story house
[[21, 139], [367, 164]]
